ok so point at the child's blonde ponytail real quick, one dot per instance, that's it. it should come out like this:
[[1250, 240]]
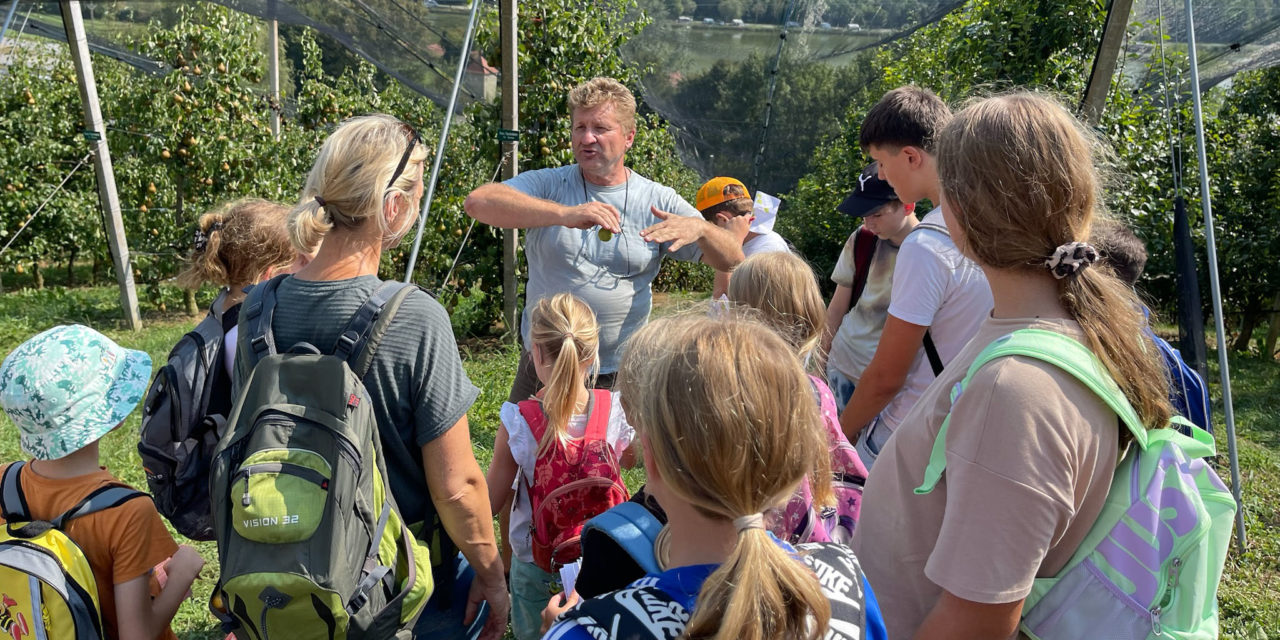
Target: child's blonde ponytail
[[565, 331], [728, 416]]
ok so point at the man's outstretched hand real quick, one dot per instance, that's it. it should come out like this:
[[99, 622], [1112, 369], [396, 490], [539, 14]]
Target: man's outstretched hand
[[678, 230]]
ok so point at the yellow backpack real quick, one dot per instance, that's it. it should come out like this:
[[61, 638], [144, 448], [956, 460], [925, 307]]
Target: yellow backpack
[[47, 588]]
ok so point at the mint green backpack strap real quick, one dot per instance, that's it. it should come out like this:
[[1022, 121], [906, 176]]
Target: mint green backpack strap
[[1069, 355]]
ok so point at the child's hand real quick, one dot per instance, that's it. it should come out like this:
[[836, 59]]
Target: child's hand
[[558, 604]]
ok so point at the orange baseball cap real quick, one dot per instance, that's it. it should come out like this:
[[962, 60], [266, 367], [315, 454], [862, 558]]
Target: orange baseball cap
[[715, 191]]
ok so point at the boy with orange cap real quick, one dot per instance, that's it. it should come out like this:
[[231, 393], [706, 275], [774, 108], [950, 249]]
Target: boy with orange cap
[[727, 203]]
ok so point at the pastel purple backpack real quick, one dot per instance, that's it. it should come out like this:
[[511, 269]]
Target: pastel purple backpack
[[799, 520]]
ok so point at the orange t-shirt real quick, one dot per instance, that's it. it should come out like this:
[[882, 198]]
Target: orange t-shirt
[[121, 544]]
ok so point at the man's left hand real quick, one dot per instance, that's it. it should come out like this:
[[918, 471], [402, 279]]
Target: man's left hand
[[678, 230]]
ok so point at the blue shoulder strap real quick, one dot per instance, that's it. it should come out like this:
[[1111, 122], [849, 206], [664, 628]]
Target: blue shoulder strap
[[634, 528], [1069, 355]]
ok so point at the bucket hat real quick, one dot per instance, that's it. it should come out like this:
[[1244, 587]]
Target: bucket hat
[[68, 387]]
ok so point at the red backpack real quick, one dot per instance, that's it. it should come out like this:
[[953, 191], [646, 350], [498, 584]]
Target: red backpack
[[573, 481]]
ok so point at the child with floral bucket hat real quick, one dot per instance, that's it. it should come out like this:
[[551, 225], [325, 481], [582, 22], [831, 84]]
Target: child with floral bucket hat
[[65, 389]]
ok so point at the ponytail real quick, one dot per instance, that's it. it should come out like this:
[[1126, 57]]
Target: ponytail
[[1109, 313], [759, 593], [204, 264], [561, 395], [236, 243], [565, 331], [308, 224], [731, 427]]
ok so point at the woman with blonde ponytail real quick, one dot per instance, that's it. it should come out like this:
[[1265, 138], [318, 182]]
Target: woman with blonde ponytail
[[1030, 450], [565, 345], [361, 197], [728, 429]]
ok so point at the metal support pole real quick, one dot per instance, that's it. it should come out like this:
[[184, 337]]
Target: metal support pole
[[1212, 246], [444, 137], [510, 161], [96, 135], [8, 20], [273, 69], [1104, 63]]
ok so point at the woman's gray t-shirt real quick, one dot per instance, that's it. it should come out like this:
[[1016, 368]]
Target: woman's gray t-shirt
[[416, 384]]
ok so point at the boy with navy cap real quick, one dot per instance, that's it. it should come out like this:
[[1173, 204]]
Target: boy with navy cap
[[65, 389], [864, 280]]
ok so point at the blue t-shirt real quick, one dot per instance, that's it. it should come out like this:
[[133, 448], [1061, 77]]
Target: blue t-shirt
[[854, 612], [613, 277]]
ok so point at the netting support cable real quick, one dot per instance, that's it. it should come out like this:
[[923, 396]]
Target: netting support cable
[[46, 201], [1211, 245], [768, 105], [1175, 144], [444, 138]]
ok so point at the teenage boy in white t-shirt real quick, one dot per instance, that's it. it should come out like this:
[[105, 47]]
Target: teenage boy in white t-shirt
[[864, 280], [938, 295], [727, 203]]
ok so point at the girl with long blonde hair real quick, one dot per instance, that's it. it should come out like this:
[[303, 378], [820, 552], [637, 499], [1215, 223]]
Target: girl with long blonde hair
[[565, 344], [1030, 451], [783, 289], [728, 429]]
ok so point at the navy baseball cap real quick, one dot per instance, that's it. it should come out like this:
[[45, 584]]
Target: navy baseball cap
[[870, 194]]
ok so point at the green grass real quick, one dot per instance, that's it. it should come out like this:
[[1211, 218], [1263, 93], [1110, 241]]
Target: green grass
[[1250, 604]]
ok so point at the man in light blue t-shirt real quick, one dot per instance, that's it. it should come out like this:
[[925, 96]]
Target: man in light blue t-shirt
[[597, 229]]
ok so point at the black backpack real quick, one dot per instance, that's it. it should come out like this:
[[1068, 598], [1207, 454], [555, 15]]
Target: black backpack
[[183, 418]]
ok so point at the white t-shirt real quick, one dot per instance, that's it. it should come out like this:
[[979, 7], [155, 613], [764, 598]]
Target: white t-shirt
[[525, 451], [766, 242], [859, 332], [934, 286]]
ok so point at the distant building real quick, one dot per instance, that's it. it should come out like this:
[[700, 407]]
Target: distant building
[[481, 79]]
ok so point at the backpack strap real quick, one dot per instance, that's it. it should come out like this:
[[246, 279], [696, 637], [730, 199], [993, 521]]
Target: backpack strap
[[598, 415], [931, 349], [359, 341], [929, 226], [257, 313], [634, 529], [101, 499], [931, 352], [13, 502], [1074, 358], [864, 250], [534, 416]]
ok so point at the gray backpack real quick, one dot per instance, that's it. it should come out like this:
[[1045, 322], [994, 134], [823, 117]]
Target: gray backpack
[[310, 542], [182, 419]]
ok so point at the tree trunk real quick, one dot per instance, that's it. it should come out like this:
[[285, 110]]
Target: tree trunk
[[96, 270], [37, 274], [190, 297], [71, 268], [1274, 331], [1, 282], [1250, 323]]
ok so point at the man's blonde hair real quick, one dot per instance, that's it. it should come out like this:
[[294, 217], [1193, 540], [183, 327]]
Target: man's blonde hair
[[598, 91]]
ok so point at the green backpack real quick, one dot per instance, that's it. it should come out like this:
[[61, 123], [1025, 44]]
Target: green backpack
[[310, 542], [1150, 565]]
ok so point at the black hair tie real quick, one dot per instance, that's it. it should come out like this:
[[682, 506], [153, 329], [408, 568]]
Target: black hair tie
[[320, 201]]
